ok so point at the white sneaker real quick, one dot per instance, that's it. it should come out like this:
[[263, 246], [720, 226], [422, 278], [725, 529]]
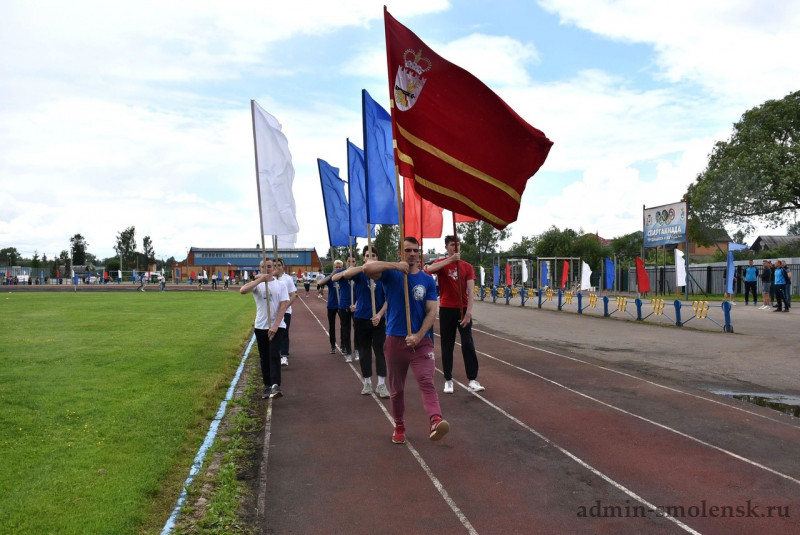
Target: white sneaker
[[448, 387], [367, 390], [382, 391], [348, 358], [475, 386], [284, 361], [355, 355]]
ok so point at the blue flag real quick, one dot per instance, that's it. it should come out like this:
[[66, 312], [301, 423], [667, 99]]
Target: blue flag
[[545, 275], [337, 213], [356, 182], [729, 274], [381, 183], [610, 274], [496, 279]]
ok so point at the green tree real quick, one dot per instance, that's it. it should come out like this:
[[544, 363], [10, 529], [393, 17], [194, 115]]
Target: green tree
[[126, 245], [525, 247], [756, 174], [479, 242], [793, 229], [9, 256], [589, 250], [78, 246], [387, 242], [554, 242], [147, 250], [35, 262], [627, 247]]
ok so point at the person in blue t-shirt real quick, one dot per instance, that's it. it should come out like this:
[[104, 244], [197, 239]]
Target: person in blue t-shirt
[[333, 303], [345, 314], [780, 286], [414, 349], [368, 322], [750, 281]]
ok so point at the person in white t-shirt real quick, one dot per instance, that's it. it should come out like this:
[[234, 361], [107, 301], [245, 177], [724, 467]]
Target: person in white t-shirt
[[270, 330], [291, 287]]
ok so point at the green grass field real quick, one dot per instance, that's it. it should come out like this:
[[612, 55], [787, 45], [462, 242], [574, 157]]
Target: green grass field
[[104, 401]]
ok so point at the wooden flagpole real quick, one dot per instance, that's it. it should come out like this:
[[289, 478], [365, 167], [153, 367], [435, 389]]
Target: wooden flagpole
[[458, 274], [402, 235], [260, 212], [371, 282]]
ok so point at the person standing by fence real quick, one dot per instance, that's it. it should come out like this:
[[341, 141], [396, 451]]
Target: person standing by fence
[[750, 282]]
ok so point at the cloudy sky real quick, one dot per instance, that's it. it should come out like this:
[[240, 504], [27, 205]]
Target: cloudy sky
[[116, 114]]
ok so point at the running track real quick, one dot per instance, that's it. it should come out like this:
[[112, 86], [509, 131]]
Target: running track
[[555, 444]]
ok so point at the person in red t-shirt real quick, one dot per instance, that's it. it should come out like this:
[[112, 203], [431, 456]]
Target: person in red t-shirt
[[449, 271]]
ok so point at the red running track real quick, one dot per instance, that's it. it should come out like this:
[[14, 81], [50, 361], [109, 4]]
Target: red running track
[[555, 444]]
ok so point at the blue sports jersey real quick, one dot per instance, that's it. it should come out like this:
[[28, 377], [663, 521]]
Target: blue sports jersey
[[344, 294], [421, 288], [333, 293], [364, 297]]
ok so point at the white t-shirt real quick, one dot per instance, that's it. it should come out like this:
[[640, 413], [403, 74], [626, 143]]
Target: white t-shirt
[[290, 287], [277, 293]]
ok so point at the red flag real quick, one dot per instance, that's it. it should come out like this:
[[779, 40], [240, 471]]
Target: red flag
[[58, 273], [508, 275], [642, 279], [466, 149], [415, 209], [564, 274], [299, 272], [464, 219]]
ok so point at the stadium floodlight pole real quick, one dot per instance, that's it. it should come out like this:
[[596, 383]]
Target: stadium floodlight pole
[[260, 212]]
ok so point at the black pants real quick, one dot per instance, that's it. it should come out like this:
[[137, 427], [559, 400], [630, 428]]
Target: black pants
[[270, 356], [332, 313], [448, 324], [345, 320], [369, 340], [750, 286], [779, 289], [287, 319]]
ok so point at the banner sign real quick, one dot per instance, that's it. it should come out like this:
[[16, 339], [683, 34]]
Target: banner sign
[[664, 225]]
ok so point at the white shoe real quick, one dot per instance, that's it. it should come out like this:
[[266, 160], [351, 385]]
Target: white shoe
[[448, 387], [355, 355], [475, 386], [367, 390], [284, 361], [348, 358], [382, 391]]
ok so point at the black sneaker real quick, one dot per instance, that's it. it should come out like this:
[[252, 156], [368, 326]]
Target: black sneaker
[[266, 392], [276, 392], [333, 350]]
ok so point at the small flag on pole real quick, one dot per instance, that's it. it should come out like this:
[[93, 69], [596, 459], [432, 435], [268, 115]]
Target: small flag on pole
[[610, 274], [337, 212], [586, 275]]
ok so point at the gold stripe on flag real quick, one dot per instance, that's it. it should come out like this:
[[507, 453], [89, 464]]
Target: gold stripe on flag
[[487, 216]]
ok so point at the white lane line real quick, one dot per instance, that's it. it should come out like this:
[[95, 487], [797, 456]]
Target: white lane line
[[644, 419], [200, 457], [427, 469], [783, 422], [581, 462]]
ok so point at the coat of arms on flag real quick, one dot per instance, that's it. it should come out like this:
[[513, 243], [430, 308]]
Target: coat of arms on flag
[[408, 82]]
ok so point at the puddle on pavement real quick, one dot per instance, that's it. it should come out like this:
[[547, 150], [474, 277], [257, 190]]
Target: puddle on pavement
[[780, 402]]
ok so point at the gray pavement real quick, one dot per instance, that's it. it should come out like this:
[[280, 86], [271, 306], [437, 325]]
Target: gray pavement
[[760, 356]]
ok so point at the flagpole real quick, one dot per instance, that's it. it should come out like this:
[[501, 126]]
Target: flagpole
[[458, 275], [371, 282], [402, 236], [260, 211]]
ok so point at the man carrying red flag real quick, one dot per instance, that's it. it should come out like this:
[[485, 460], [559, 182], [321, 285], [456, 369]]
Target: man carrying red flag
[[465, 148], [456, 276]]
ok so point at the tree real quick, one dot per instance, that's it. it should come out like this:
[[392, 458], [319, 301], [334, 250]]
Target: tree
[[9, 256], [479, 241], [589, 250], [525, 247], [78, 246], [627, 247], [387, 242], [35, 262], [756, 174], [126, 245], [793, 229], [147, 250], [554, 242]]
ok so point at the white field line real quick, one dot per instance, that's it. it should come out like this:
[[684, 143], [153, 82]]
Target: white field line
[[457, 511], [672, 389]]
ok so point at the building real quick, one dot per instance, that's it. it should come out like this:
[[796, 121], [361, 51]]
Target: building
[[770, 243], [234, 262]]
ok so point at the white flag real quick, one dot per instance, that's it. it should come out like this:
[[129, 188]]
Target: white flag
[[586, 274], [680, 268], [275, 176], [483, 275], [524, 271]]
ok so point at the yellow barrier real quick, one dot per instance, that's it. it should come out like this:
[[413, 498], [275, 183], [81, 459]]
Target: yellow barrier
[[549, 293], [568, 297], [622, 303], [514, 292], [700, 309], [592, 300], [529, 293], [658, 306]]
